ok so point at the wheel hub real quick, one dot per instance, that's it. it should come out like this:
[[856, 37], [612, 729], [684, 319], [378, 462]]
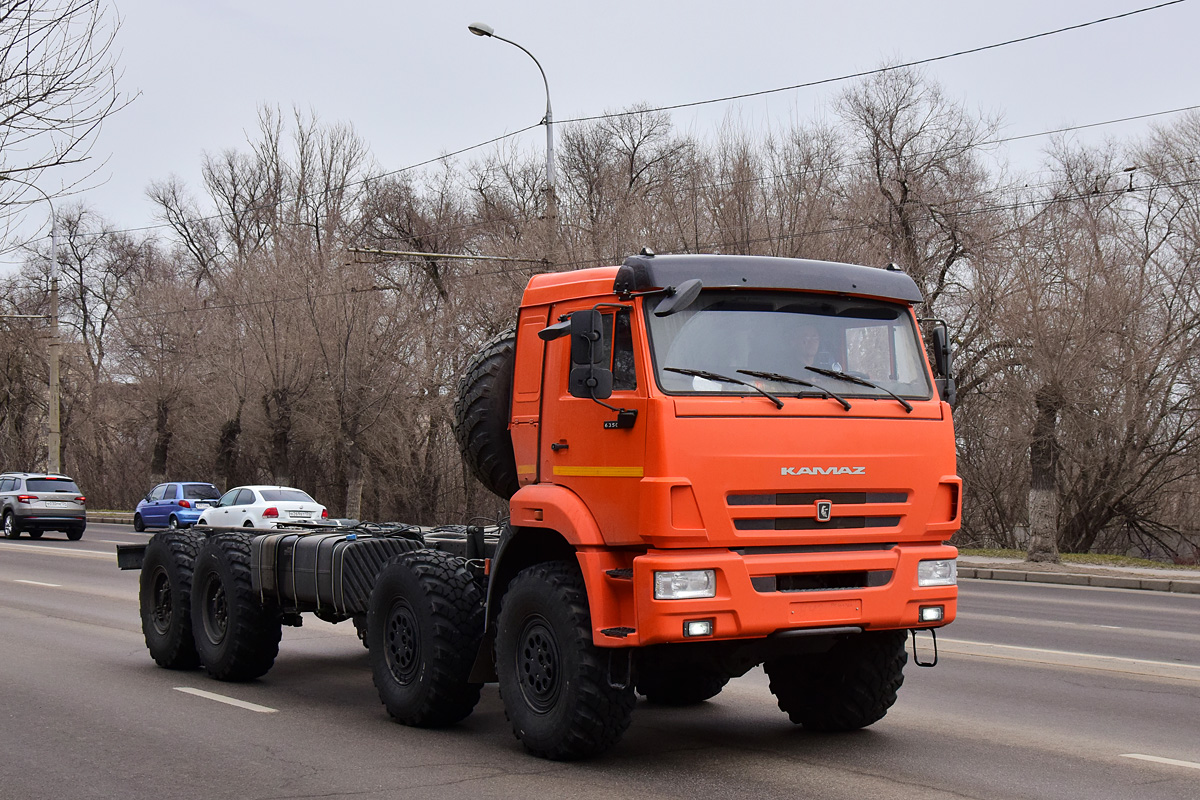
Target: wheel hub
[[161, 615], [402, 644], [539, 665], [216, 610]]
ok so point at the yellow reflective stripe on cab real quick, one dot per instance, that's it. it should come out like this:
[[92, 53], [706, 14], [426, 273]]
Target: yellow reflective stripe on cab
[[599, 472]]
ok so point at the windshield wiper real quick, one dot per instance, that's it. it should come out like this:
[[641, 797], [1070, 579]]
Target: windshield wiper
[[781, 378], [843, 376], [713, 376]]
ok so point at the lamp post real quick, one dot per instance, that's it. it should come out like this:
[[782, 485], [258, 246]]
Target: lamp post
[[483, 29], [54, 444]]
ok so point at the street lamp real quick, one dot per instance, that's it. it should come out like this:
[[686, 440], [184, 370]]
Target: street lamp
[[483, 29], [54, 445]]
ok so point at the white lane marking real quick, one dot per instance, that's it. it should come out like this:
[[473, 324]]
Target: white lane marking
[[231, 701], [49, 550], [111, 541], [1174, 762], [39, 583], [1063, 658]]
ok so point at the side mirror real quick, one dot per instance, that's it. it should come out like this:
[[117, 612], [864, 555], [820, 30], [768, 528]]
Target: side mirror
[[590, 376], [587, 330], [679, 298], [943, 363], [943, 355]]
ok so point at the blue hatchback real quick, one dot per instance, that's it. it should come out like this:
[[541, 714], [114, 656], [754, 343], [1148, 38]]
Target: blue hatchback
[[174, 505]]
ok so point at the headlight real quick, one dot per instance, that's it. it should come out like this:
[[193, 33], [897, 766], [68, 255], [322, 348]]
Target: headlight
[[937, 573], [685, 585]]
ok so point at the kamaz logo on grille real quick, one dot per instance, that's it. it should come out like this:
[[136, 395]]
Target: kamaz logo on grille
[[823, 471]]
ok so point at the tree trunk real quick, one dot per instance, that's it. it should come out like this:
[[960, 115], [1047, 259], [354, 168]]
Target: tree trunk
[[162, 441], [1043, 467], [279, 417], [355, 477], [227, 453]]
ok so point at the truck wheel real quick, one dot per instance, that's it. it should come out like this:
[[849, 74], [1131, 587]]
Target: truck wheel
[[424, 624], [849, 687], [481, 414], [165, 598], [553, 680], [12, 530], [237, 639], [679, 685]]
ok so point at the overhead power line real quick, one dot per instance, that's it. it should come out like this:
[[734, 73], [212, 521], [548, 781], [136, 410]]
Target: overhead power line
[[879, 70]]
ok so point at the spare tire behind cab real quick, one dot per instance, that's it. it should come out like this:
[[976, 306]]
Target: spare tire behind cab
[[481, 414]]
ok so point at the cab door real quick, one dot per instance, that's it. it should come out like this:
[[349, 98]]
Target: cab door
[[584, 446]]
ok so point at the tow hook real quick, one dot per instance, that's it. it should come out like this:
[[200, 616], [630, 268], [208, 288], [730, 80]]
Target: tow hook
[[916, 652]]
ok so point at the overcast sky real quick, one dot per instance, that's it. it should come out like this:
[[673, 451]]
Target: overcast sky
[[415, 84]]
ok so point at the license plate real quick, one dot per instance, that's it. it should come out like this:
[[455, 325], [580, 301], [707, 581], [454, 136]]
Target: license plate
[[56, 504], [299, 514], [204, 504]]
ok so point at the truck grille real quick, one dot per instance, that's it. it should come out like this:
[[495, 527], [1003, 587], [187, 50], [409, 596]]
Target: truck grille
[[809, 522]]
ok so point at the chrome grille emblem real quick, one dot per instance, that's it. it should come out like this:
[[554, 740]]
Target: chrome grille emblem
[[824, 510]]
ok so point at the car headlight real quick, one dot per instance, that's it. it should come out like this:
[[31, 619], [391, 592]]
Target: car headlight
[[943, 572], [685, 585]]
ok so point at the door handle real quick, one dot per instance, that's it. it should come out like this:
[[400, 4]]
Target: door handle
[[556, 446]]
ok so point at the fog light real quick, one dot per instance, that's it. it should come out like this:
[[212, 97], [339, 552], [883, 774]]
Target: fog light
[[698, 627], [937, 573], [685, 585], [932, 613]]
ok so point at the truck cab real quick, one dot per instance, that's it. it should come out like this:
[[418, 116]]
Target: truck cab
[[772, 457]]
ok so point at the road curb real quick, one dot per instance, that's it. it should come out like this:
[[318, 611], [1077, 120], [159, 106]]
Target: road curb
[[115, 519], [1178, 585]]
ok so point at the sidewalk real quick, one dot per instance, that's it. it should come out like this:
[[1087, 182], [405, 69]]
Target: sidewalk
[[1144, 578]]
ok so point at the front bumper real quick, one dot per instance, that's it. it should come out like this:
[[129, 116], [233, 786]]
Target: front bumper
[[759, 594]]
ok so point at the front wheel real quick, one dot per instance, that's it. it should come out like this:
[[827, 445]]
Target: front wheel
[[849, 687], [554, 681], [424, 625], [237, 638], [138, 524]]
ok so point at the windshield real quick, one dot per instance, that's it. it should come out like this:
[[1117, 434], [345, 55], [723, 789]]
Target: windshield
[[276, 495], [51, 485], [725, 331], [200, 491]]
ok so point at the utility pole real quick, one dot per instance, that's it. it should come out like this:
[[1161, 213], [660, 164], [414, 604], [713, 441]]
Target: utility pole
[[54, 446]]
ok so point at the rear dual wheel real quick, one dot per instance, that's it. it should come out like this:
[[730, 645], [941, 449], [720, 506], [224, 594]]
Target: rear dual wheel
[[237, 637], [165, 599]]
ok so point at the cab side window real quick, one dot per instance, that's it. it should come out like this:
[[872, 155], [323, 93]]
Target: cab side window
[[618, 350]]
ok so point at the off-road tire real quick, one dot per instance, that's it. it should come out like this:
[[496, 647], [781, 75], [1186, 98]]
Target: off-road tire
[[424, 623], [237, 638], [359, 621], [679, 685], [75, 533], [553, 680], [138, 525], [481, 415], [12, 528], [850, 687], [165, 598]]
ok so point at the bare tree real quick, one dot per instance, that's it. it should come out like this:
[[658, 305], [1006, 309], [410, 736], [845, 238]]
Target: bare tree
[[58, 83]]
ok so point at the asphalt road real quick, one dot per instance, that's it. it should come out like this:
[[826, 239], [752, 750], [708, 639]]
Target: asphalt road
[[1042, 692]]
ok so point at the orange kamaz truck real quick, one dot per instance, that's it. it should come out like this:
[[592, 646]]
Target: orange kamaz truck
[[711, 463]]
